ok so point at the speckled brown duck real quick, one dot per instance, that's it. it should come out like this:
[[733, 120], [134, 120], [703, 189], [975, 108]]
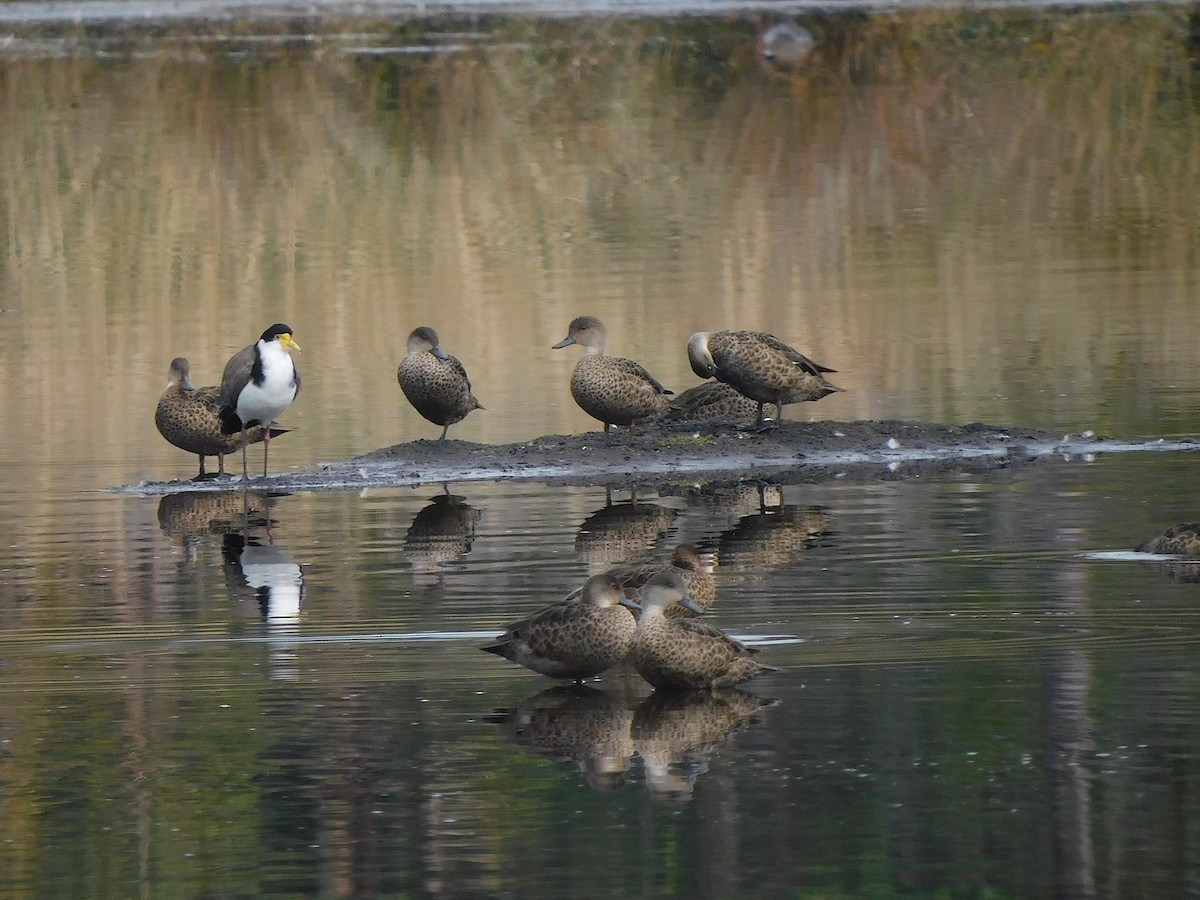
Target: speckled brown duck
[[573, 639], [612, 389], [1178, 540], [435, 382], [189, 418], [711, 402], [760, 366], [698, 581], [686, 654]]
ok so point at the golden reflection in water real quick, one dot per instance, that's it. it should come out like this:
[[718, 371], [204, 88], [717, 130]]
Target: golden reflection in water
[[998, 227]]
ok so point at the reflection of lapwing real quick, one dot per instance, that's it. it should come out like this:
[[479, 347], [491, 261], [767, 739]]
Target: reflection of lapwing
[[686, 654], [675, 731], [435, 382], [265, 575], [259, 383], [573, 639], [576, 723], [440, 533], [188, 417], [612, 389]]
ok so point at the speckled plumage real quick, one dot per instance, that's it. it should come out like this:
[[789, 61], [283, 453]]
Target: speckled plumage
[[188, 417], [579, 723], [698, 582], [573, 639], [686, 654], [760, 366], [620, 531], [772, 538], [671, 727], [1178, 540], [615, 390], [434, 382], [712, 402]]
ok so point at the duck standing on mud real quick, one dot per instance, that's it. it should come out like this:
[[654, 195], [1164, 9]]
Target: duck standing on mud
[[760, 366], [259, 383], [189, 417], [435, 382], [615, 390]]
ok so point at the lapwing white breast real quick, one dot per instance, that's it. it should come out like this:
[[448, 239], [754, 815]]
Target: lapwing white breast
[[260, 382]]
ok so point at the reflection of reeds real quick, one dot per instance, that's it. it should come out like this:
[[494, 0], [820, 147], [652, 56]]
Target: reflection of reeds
[[903, 207]]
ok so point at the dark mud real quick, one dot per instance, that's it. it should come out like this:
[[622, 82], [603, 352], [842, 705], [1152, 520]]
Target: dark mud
[[793, 453]]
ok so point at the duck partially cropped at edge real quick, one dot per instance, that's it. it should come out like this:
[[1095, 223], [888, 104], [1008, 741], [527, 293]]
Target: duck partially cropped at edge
[[760, 366], [435, 382], [1178, 540], [189, 417], [686, 654], [260, 382], [612, 389], [573, 639]]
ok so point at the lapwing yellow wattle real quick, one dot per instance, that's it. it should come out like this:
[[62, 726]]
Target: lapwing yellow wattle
[[260, 382]]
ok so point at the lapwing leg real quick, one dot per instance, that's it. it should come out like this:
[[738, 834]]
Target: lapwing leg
[[245, 463], [266, 446]]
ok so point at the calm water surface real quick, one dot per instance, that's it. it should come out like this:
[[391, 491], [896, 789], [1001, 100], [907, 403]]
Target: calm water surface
[[969, 216]]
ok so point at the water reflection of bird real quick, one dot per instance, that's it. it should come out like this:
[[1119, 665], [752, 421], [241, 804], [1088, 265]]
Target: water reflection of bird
[[772, 538], [615, 390], [620, 531], [674, 731], [759, 365], [573, 639], [188, 417], [712, 401], [686, 654], [191, 514], [260, 382], [440, 533], [787, 44], [1178, 540], [698, 581], [263, 574], [435, 382], [575, 723], [728, 501]]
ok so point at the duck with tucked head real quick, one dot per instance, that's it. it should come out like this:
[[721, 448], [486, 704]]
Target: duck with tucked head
[[760, 366], [259, 383], [573, 639], [189, 417], [435, 382], [686, 654], [698, 581], [615, 390]]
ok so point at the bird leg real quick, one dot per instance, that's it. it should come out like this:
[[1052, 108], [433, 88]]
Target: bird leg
[[445, 428], [245, 464], [266, 446]]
